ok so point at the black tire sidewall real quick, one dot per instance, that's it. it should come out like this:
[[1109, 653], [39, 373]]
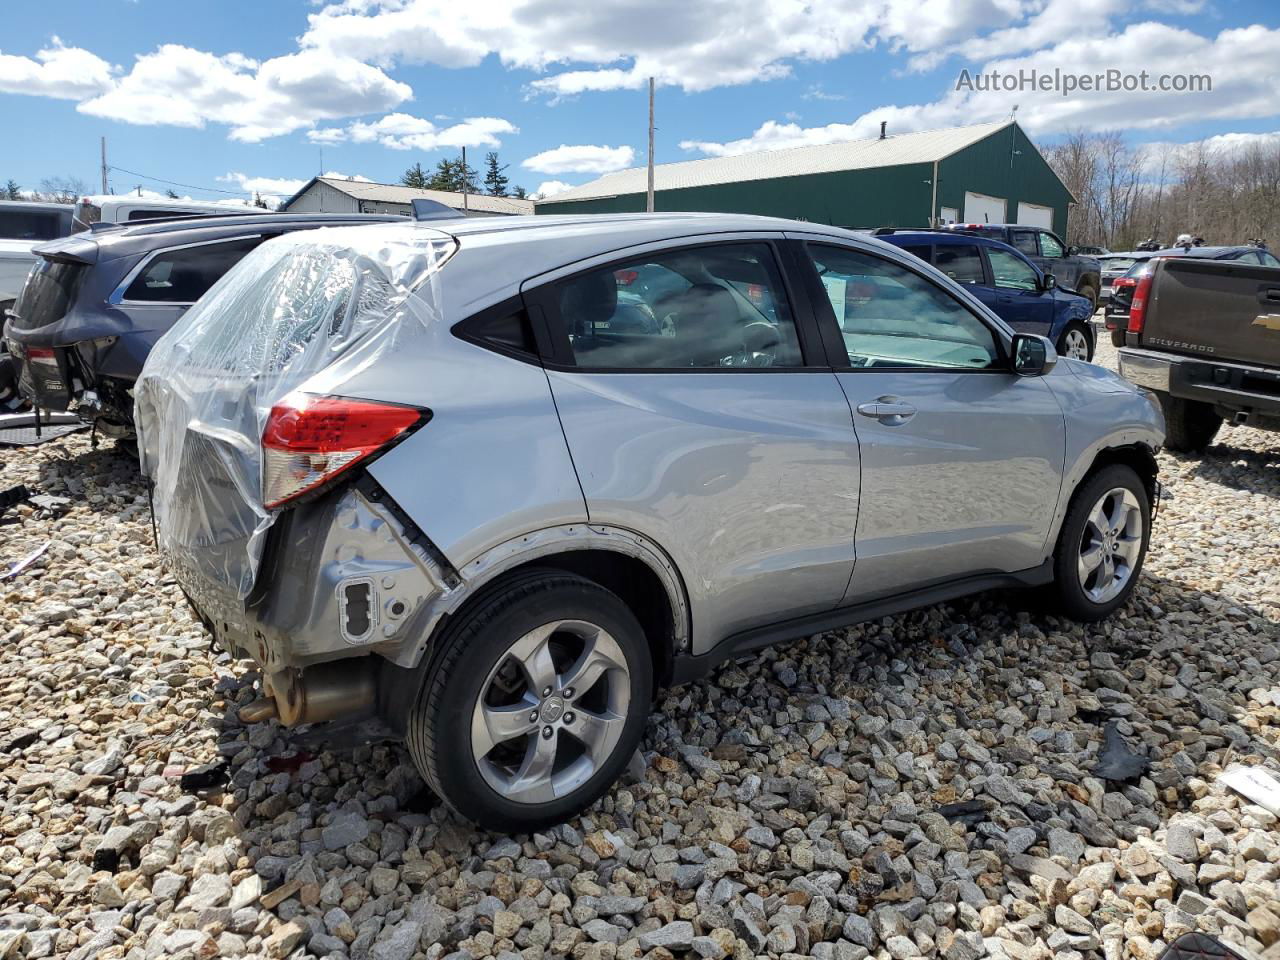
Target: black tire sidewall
[[1075, 325], [444, 707], [1074, 601]]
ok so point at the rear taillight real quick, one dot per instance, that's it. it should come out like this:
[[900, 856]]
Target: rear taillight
[[1138, 306], [42, 355], [309, 440]]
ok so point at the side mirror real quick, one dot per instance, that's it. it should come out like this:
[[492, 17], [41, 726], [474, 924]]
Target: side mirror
[[1048, 282], [1072, 251], [1033, 356]]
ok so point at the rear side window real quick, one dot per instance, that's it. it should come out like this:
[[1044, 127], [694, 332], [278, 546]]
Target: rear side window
[[1024, 241], [501, 329], [1267, 259], [33, 225], [961, 262], [925, 253], [183, 275], [720, 306]]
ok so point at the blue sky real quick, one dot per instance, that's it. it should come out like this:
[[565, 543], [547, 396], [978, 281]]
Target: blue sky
[[237, 96]]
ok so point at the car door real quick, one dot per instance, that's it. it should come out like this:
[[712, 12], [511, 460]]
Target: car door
[[1020, 298], [1053, 259], [961, 458], [963, 263], [716, 428]]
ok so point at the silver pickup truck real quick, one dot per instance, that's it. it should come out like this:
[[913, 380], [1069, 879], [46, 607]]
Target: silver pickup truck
[[1205, 336]]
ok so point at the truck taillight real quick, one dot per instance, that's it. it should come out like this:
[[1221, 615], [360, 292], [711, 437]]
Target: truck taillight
[[42, 355], [1138, 306], [309, 440]]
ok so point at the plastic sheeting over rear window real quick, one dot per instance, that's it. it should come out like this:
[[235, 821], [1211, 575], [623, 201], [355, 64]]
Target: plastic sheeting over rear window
[[298, 305]]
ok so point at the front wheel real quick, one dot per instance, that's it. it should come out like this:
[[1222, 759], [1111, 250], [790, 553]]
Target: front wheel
[[1075, 342], [535, 701], [1102, 544]]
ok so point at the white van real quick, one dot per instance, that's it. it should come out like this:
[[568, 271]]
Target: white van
[[126, 208]]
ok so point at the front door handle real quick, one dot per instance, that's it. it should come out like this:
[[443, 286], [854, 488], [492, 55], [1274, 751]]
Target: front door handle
[[891, 411]]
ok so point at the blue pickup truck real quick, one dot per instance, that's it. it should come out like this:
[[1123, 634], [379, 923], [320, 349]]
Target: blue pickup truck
[[1007, 282]]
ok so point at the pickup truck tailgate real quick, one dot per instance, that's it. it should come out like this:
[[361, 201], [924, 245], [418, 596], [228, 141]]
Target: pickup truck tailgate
[[1212, 308]]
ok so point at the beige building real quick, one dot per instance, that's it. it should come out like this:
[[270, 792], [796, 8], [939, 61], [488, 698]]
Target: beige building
[[336, 195]]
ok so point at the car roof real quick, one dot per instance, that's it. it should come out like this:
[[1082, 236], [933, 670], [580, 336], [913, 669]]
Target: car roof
[[939, 236], [1211, 253]]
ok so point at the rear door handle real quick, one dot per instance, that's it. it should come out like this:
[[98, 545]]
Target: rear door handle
[[891, 411]]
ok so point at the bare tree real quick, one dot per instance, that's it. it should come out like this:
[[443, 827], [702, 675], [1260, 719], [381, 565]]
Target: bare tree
[[60, 190]]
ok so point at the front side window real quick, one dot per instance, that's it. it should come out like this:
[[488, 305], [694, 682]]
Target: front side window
[[1025, 241], [183, 276], [962, 263], [703, 307], [924, 253], [1010, 272], [891, 317], [1267, 259], [1050, 246]]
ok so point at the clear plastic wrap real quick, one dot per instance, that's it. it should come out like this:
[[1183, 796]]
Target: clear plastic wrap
[[294, 307]]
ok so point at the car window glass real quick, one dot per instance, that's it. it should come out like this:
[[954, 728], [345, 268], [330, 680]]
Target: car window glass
[[29, 225], [961, 262], [891, 317], [1049, 245], [703, 307], [1024, 240], [925, 253], [1011, 272], [1267, 259], [183, 276]]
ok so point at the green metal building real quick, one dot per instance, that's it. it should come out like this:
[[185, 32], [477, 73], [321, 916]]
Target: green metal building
[[984, 173]]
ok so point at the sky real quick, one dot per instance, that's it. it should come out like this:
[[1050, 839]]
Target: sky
[[225, 98]]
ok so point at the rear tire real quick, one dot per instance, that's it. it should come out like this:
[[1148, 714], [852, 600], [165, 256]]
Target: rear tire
[[1117, 338], [534, 702], [1189, 426], [1102, 544], [1091, 294]]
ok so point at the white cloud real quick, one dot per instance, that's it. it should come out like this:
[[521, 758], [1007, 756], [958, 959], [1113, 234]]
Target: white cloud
[[583, 158], [272, 185], [184, 87], [402, 131], [1239, 61], [549, 188], [618, 44], [68, 73]]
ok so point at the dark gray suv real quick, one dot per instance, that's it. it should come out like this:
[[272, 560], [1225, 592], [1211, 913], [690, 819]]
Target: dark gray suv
[[96, 303]]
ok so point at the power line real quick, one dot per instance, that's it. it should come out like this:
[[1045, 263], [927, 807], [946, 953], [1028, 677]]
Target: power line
[[189, 186]]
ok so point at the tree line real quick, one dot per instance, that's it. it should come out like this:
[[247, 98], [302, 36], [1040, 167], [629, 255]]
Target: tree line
[[1126, 194], [453, 176]]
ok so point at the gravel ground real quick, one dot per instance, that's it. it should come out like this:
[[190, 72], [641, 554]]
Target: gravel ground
[[793, 805]]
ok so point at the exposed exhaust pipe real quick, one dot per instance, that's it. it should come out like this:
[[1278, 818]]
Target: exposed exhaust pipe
[[328, 691]]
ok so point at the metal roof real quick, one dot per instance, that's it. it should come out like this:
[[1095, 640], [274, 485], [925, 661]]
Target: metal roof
[[396, 193], [924, 147]]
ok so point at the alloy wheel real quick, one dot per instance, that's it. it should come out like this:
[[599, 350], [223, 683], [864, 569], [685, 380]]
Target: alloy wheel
[[1111, 545], [551, 711], [1077, 345]]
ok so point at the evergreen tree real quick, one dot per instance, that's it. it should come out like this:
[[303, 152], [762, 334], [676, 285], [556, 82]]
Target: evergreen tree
[[415, 176], [171, 194], [450, 176], [495, 181], [12, 191], [259, 202]]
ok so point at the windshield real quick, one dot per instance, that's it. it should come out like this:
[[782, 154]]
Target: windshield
[[34, 225]]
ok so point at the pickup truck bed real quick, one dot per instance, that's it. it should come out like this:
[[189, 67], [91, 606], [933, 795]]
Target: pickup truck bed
[[1204, 335]]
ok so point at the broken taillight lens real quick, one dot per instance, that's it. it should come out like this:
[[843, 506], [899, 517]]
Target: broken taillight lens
[[309, 440]]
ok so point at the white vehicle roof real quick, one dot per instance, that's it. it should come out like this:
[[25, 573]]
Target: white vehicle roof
[[109, 203]]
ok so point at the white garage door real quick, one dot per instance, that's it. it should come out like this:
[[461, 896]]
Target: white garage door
[[949, 214], [1034, 215], [979, 208]]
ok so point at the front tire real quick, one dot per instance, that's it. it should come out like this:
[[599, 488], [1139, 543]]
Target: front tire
[[1075, 342], [1189, 426], [1102, 544], [535, 701]]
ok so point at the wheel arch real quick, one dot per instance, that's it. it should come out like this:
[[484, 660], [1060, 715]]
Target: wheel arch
[[1137, 454], [620, 560]]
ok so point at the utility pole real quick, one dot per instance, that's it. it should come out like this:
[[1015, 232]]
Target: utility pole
[[649, 198], [464, 181], [104, 164]]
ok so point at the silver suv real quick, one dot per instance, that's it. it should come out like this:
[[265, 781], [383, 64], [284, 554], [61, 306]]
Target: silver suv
[[495, 482]]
